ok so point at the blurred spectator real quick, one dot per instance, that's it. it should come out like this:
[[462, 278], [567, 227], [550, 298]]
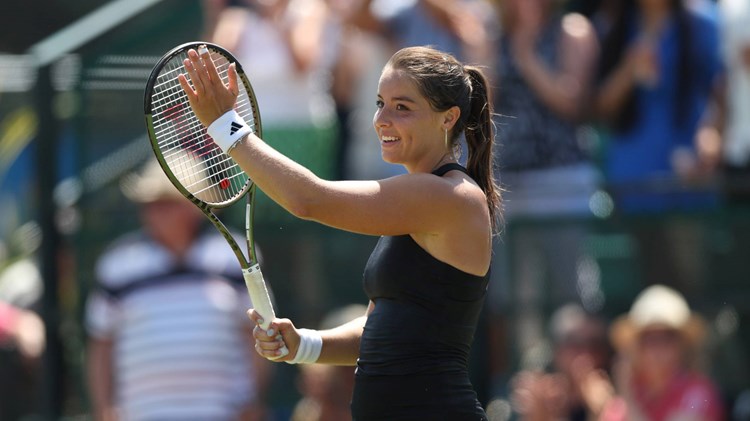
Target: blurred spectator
[[724, 139], [660, 345], [350, 56], [660, 59], [168, 335], [460, 27], [22, 336], [545, 66], [327, 389], [288, 52], [659, 63], [579, 343]]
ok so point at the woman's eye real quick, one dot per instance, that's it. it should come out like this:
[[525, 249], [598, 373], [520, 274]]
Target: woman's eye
[[379, 104], [401, 107]]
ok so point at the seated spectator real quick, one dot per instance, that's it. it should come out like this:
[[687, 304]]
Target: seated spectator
[[657, 377], [580, 343]]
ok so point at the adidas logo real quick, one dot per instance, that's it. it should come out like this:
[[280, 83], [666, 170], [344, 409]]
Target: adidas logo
[[235, 126]]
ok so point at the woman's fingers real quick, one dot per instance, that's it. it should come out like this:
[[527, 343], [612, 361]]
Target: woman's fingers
[[189, 91], [255, 316], [232, 74], [268, 342], [208, 64]]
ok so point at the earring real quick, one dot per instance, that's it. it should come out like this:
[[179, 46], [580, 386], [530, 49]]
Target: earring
[[446, 138]]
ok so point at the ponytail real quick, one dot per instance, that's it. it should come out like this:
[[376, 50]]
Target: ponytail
[[480, 135]]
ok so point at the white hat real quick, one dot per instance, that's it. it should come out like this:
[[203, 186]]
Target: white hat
[[658, 306], [149, 185]]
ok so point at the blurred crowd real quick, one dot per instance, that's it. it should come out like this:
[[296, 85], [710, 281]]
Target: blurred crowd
[[631, 108]]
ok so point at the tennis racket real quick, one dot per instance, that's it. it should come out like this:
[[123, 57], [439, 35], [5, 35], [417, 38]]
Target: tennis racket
[[199, 169]]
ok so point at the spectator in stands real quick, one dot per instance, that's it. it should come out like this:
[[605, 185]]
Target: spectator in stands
[[579, 343], [660, 60], [288, 54], [22, 331], [724, 139], [168, 334], [659, 345], [460, 27], [544, 73]]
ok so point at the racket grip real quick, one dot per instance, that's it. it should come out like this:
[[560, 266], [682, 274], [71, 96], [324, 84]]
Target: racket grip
[[256, 287]]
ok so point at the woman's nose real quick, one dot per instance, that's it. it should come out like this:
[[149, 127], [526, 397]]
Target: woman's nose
[[381, 119]]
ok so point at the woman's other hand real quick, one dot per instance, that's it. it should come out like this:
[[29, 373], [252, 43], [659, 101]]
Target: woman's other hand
[[269, 343]]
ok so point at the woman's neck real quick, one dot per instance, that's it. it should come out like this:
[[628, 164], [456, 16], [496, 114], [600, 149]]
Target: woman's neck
[[447, 158]]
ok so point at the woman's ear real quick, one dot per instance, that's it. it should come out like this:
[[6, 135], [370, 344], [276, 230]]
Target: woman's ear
[[450, 117]]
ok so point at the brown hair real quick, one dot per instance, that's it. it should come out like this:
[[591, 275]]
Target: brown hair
[[445, 83]]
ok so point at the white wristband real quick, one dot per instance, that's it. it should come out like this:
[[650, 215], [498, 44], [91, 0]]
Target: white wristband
[[228, 129], [310, 345]]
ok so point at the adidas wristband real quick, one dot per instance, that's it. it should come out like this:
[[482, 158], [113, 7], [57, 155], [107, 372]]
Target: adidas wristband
[[310, 345], [228, 129]]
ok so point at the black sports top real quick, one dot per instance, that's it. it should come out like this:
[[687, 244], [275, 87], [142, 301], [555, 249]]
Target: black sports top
[[419, 335]]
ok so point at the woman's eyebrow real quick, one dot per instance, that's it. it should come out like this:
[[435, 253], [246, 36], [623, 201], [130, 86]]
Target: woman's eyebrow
[[401, 99]]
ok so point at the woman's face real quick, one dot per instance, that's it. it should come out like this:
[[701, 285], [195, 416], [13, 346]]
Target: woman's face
[[176, 231], [661, 352], [410, 131]]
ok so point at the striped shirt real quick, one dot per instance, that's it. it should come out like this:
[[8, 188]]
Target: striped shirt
[[179, 331]]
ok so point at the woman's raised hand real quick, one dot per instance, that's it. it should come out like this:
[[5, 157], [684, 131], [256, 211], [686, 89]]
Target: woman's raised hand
[[209, 97]]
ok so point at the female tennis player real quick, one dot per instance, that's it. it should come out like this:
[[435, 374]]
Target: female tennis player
[[427, 277]]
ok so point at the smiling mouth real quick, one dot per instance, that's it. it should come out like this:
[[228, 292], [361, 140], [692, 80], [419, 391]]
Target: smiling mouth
[[389, 139]]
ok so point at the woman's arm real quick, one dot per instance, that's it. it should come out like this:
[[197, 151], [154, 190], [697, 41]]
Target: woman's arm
[[412, 203], [303, 32], [637, 67], [229, 26], [565, 90], [363, 18], [341, 344]]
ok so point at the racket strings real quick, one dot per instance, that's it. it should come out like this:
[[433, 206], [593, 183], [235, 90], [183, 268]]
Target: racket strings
[[197, 163]]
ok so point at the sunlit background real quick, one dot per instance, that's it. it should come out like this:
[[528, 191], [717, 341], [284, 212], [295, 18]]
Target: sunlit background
[[72, 76]]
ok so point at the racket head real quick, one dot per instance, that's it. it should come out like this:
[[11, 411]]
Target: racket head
[[192, 161]]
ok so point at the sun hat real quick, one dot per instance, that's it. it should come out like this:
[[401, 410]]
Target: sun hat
[[149, 185], [656, 307]]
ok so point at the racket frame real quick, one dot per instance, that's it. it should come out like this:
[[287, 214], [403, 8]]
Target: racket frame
[[249, 188], [250, 267]]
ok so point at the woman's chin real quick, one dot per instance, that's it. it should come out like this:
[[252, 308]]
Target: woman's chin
[[388, 158]]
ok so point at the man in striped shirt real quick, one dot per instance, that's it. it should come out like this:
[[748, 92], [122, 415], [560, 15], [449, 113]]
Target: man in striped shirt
[[169, 339]]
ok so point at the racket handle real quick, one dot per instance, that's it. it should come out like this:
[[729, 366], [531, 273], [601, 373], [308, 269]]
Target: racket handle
[[256, 287]]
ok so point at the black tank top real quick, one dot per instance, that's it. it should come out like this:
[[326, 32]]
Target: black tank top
[[415, 346]]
